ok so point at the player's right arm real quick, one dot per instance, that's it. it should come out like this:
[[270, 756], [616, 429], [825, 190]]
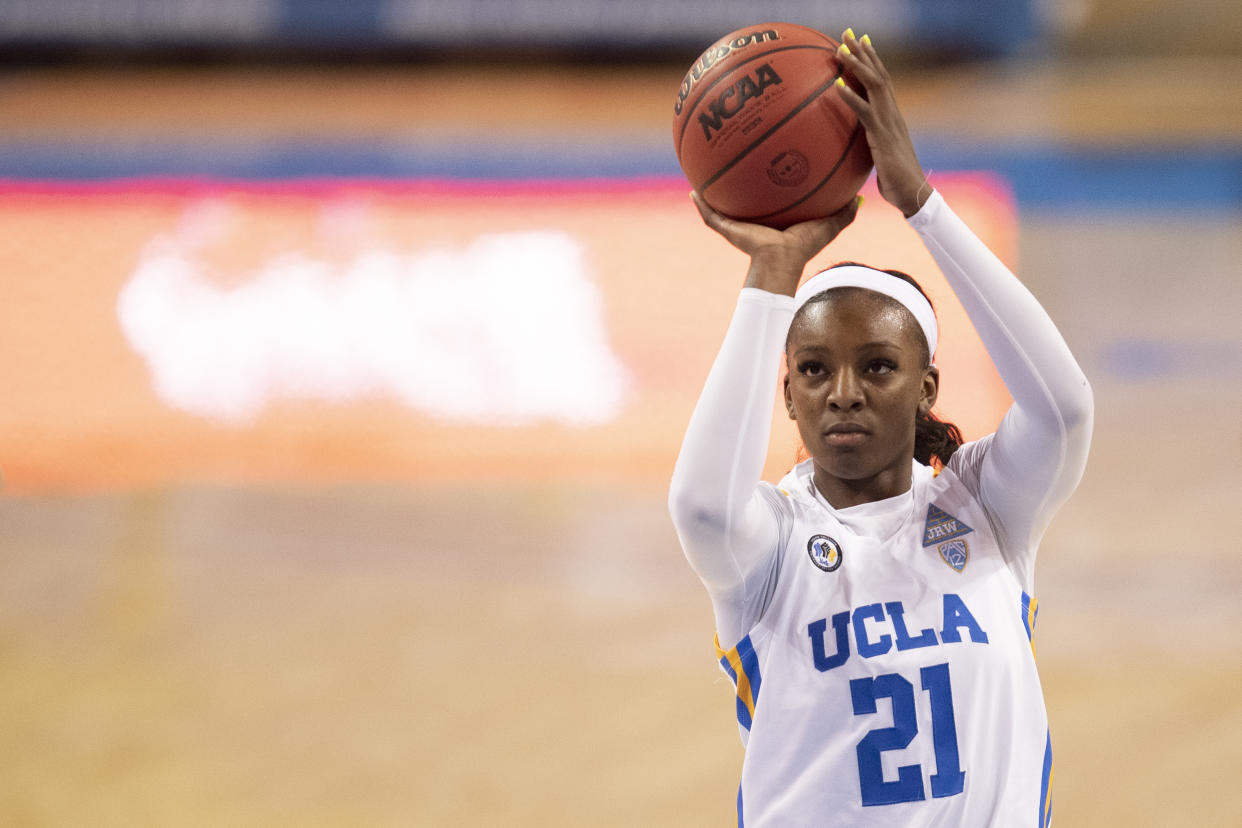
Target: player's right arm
[[724, 524], [727, 526]]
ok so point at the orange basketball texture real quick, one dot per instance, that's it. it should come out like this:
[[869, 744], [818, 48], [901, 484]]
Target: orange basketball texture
[[761, 133]]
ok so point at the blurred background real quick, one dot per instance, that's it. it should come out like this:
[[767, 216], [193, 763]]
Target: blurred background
[[348, 347]]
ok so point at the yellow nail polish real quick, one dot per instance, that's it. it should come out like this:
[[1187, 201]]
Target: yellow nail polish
[[843, 49], [841, 82], [848, 33], [860, 199], [866, 39]]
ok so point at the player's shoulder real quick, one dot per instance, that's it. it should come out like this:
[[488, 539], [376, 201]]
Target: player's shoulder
[[794, 488], [954, 486], [779, 500], [966, 464]]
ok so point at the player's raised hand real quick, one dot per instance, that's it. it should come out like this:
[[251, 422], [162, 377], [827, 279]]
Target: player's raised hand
[[901, 178], [778, 256]]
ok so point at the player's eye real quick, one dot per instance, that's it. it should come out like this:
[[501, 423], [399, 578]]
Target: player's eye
[[881, 366], [811, 368]]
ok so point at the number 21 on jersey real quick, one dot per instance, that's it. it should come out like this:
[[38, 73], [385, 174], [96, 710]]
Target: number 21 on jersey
[[949, 778]]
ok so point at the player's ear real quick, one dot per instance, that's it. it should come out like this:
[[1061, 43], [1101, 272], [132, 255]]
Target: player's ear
[[930, 390], [789, 406]]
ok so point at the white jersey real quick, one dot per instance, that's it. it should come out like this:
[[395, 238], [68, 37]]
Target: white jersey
[[893, 656], [882, 653]]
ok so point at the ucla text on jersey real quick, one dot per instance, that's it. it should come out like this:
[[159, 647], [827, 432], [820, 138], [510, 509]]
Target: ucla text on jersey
[[876, 640]]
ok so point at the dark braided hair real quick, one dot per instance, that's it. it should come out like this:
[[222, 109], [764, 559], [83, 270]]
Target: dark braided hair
[[935, 440]]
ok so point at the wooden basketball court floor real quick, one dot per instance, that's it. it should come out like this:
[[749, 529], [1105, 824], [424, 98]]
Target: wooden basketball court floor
[[499, 654]]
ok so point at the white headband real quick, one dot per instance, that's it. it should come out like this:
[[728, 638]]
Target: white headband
[[880, 282]]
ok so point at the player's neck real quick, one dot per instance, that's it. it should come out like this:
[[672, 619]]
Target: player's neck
[[843, 493]]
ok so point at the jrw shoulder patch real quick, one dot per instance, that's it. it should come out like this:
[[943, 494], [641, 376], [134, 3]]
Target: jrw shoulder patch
[[942, 526]]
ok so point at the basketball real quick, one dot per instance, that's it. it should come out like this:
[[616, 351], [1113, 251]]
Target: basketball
[[760, 131]]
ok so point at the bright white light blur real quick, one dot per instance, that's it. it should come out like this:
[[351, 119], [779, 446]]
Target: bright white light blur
[[508, 330]]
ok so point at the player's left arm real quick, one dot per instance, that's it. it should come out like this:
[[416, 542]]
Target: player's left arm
[[1029, 467], [1033, 462]]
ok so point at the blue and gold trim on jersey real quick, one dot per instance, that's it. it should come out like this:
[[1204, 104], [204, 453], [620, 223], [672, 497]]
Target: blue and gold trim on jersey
[[1045, 787], [741, 664], [1030, 611]]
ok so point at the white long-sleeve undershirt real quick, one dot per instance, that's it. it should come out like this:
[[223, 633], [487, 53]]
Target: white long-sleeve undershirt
[[730, 522]]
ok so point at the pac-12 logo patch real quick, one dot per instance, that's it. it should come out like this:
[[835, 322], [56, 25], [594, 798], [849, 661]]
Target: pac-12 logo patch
[[954, 553], [942, 526], [825, 552]]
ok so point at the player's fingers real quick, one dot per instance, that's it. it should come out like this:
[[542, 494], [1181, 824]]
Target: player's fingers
[[735, 232], [866, 51], [698, 204], [710, 217], [863, 52], [845, 216], [860, 60], [842, 218], [856, 102], [859, 68], [820, 232]]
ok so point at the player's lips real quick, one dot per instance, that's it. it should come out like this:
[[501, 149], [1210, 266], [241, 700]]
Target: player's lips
[[845, 435]]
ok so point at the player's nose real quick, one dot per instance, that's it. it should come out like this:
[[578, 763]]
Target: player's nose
[[845, 391]]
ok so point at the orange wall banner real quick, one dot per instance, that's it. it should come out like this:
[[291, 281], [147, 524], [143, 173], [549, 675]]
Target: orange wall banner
[[165, 333]]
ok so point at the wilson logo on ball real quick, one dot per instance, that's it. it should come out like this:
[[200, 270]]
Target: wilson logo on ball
[[731, 101], [714, 55]]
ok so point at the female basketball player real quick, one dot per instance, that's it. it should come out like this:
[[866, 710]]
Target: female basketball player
[[875, 612]]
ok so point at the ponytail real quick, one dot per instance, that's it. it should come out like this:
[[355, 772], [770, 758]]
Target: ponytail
[[935, 440]]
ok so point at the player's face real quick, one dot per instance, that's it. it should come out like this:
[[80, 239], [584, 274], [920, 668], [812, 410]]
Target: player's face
[[858, 376]]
